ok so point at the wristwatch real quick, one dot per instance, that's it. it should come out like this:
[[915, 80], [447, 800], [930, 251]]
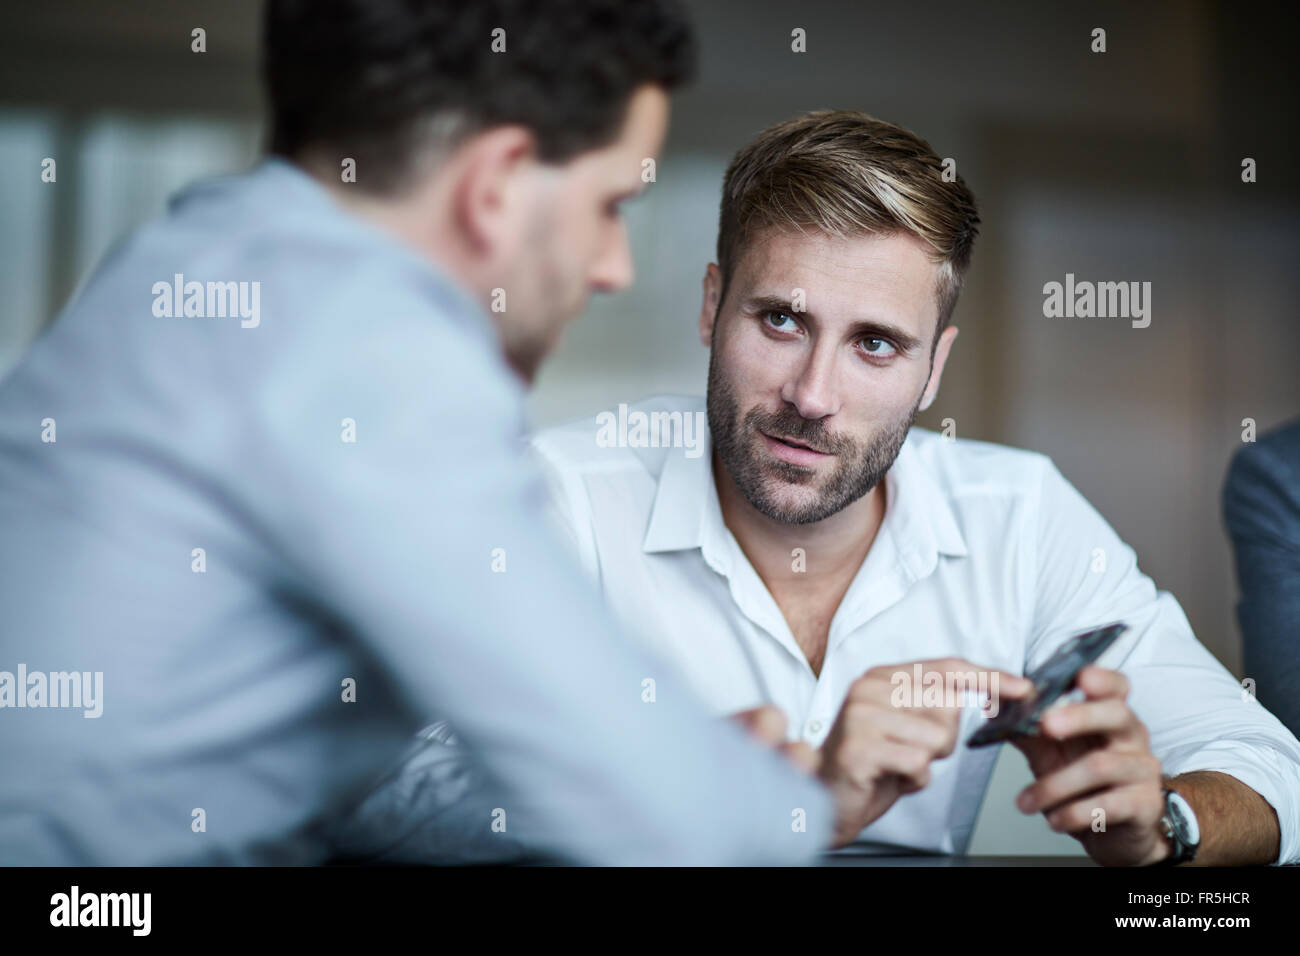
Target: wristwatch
[[1178, 824]]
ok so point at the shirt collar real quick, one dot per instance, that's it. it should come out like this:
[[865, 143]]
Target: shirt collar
[[919, 516]]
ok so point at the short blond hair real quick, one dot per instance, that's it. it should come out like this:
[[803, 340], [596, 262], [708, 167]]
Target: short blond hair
[[848, 174]]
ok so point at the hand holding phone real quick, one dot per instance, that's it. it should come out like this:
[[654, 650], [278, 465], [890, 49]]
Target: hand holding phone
[[1055, 677]]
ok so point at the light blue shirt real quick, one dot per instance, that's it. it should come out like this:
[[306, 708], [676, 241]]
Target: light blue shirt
[[243, 520]]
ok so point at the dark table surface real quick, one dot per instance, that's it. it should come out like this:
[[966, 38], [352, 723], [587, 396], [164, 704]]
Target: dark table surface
[[831, 859], [881, 855]]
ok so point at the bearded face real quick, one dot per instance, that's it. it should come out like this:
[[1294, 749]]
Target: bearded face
[[793, 469], [823, 349]]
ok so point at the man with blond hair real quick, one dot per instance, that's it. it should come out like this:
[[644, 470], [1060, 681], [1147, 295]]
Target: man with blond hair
[[825, 550]]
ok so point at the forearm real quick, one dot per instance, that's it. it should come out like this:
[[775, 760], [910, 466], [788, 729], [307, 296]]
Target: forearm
[[1238, 826]]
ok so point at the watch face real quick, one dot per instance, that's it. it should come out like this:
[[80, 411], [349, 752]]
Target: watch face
[[1183, 819]]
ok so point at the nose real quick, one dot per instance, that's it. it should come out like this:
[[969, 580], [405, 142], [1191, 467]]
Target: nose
[[812, 389], [613, 269]]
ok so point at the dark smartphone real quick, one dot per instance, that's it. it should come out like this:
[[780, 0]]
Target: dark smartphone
[[1053, 678]]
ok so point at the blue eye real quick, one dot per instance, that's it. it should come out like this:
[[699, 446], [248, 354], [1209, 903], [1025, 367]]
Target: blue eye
[[781, 319], [878, 347]]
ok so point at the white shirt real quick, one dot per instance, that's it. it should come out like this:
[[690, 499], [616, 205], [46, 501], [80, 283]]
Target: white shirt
[[985, 553]]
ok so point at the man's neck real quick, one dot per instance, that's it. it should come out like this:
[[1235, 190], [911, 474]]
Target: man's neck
[[807, 567], [417, 217]]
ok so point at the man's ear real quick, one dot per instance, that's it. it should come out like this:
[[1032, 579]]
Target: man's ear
[[491, 185], [941, 349], [712, 289]]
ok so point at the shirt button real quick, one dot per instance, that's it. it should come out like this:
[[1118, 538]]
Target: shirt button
[[814, 726]]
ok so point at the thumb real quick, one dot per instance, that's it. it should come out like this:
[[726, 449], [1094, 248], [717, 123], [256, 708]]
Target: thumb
[[803, 756], [767, 723]]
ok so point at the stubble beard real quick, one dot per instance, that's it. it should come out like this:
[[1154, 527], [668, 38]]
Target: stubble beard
[[859, 466], [557, 294]]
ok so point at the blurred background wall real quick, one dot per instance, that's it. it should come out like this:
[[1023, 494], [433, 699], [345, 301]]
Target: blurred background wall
[[1115, 166]]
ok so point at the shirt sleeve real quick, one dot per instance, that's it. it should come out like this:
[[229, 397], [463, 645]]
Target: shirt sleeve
[[423, 537], [1198, 716], [1261, 507], [428, 809]]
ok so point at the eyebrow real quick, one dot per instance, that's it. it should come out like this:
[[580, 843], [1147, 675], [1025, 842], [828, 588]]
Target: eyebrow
[[863, 328]]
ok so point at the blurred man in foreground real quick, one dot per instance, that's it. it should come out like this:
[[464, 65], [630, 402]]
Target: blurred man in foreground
[[263, 489]]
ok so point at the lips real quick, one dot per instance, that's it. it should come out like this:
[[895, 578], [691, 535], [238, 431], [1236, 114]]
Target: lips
[[796, 444], [792, 451]]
